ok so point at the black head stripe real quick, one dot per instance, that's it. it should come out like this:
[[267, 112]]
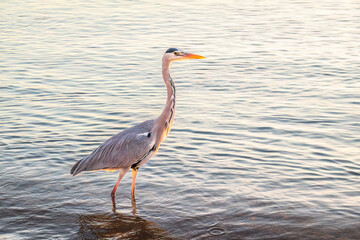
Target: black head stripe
[[170, 50]]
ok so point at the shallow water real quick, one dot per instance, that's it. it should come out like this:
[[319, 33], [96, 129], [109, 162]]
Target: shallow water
[[266, 138]]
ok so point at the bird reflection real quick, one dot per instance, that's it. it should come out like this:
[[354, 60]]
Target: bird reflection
[[118, 226]]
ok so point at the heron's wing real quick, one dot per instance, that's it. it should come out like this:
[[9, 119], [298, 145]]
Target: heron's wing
[[122, 150]]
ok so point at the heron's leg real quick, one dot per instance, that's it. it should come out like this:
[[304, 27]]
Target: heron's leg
[[122, 173], [134, 173]]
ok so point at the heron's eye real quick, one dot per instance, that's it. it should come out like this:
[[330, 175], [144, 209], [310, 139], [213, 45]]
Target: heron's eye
[[176, 53]]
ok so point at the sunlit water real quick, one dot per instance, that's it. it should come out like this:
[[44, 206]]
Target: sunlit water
[[266, 139]]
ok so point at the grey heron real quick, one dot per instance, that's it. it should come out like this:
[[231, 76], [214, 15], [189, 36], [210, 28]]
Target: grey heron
[[134, 146]]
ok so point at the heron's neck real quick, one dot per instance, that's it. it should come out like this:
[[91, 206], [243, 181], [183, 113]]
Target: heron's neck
[[166, 118], [169, 110]]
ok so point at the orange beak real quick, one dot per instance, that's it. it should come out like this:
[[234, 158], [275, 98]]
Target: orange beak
[[193, 56]]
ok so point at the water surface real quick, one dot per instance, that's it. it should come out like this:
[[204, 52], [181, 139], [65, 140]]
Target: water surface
[[266, 138]]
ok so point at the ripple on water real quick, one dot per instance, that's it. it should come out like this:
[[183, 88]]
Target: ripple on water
[[216, 231]]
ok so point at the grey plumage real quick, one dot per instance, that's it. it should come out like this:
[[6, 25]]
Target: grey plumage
[[121, 150]]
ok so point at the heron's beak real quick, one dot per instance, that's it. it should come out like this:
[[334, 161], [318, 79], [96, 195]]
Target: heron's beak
[[192, 56]]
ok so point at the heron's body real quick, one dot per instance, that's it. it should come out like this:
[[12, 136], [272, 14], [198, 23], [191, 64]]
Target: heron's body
[[114, 153], [134, 146]]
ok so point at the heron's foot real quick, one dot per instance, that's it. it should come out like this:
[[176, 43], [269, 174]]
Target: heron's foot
[[133, 198], [112, 195], [133, 204]]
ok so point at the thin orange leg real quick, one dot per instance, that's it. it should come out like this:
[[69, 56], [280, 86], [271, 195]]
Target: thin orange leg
[[122, 173], [134, 173]]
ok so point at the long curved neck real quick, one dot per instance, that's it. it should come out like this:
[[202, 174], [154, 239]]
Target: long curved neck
[[169, 110], [166, 118]]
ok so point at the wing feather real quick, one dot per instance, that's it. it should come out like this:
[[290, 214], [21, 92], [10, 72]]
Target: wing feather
[[121, 150]]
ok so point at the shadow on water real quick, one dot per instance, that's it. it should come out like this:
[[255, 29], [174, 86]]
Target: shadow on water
[[118, 226]]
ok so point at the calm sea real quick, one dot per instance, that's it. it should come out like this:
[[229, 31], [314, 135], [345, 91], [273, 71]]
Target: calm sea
[[266, 138]]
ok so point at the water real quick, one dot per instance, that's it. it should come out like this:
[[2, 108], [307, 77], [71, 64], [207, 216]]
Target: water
[[266, 139]]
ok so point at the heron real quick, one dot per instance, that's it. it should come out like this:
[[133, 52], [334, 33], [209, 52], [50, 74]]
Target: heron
[[134, 146]]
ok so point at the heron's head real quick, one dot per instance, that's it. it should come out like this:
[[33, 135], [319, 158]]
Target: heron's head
[[176, 54]]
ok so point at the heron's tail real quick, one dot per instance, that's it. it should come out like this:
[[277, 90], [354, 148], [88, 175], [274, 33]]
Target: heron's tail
[[75, 170]]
